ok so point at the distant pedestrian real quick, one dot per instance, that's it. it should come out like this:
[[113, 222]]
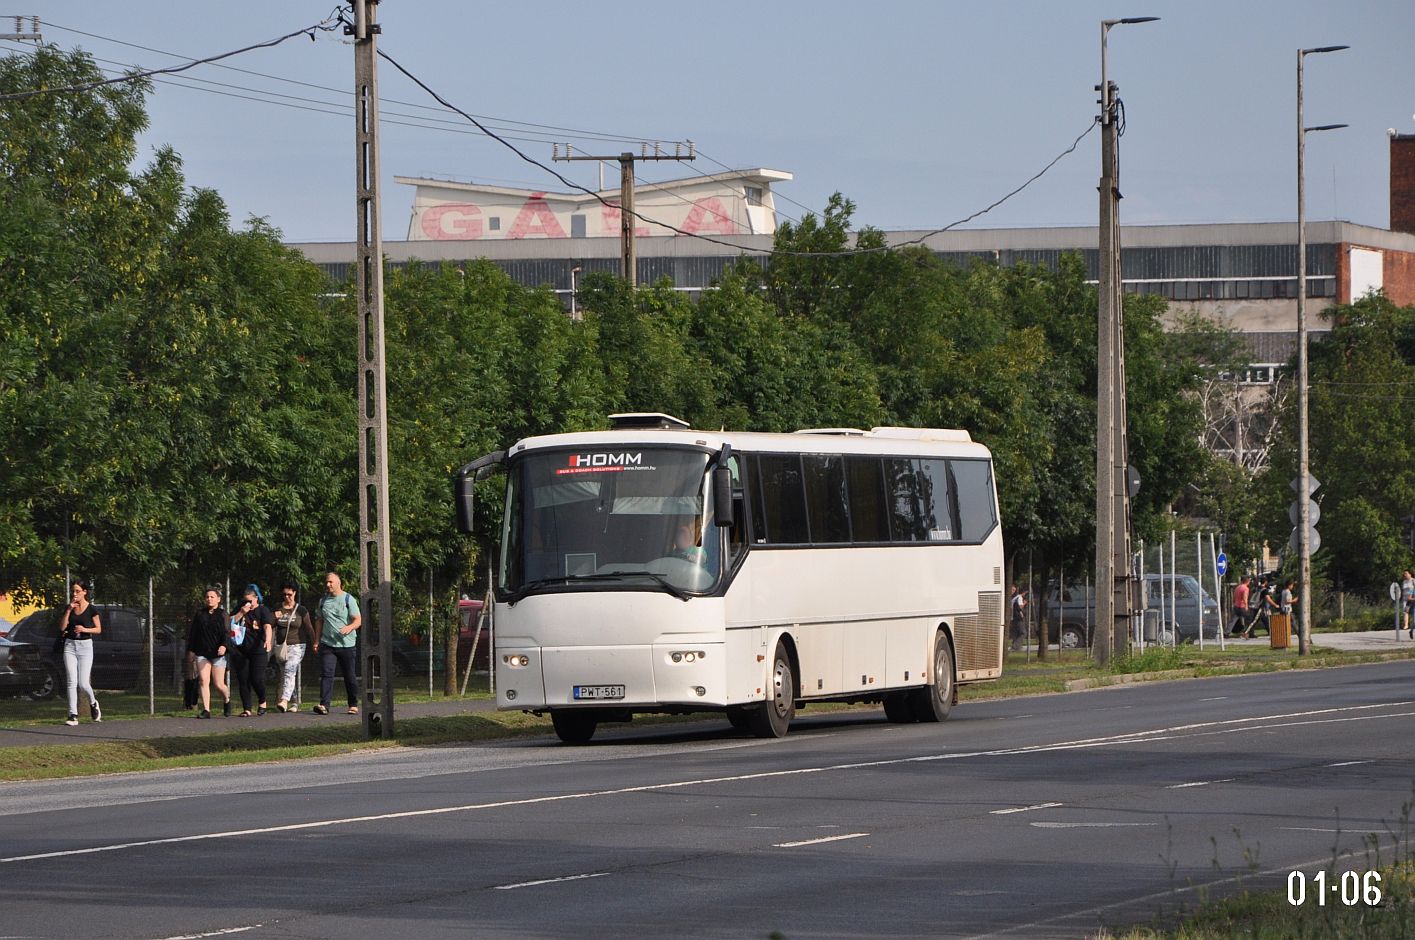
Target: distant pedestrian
[[1240, 608], [251, 629], [206, 652], [337, 620], [1407, 600], [1264, 608], [1287, 600], [1018, 629], [294, 634], [78, 625]]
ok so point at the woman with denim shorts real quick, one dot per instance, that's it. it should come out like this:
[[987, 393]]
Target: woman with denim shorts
[[206, 651]]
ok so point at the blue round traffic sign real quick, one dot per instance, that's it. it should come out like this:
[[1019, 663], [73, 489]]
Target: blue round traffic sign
[[1222, 564]]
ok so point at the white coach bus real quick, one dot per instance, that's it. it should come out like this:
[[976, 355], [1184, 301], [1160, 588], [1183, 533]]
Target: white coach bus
[[657, 568]]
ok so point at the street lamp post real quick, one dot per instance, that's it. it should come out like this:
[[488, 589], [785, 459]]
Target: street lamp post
[[1113, 582], [1304, 475]]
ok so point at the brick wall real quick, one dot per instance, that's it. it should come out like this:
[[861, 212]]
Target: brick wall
[[1402, 183]]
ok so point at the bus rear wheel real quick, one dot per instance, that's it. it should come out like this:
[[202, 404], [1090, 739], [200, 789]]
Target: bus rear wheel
[[774, 717], [740, 718], [574, 727], [934, 701]]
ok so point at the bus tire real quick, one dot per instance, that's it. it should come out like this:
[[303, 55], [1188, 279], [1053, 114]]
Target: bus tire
[[574, 727], [740, 718], [774, 716], [934, 701], [898, 708]]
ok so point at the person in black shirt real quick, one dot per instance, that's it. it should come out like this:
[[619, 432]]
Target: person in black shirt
[[206, 650], [78, 625], [250, 654]]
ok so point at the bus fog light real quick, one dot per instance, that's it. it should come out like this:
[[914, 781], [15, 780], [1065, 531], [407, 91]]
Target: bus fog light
[[510, 695], [689, 657], [699, 690], [516, 660], [677, 657]]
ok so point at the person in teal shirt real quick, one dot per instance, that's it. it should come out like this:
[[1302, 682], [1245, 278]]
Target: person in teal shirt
[[336, 626]]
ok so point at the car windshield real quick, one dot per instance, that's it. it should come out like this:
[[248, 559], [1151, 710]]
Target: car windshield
[[40, 625], [607, 519]]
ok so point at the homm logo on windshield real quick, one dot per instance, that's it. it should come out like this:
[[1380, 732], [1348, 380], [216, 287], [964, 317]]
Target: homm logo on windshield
[[608, 463]]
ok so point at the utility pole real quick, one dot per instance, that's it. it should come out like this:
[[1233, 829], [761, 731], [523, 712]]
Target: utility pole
[[1114, 584], [375, 562], [1305, 483], [629, 260], [21, 34]]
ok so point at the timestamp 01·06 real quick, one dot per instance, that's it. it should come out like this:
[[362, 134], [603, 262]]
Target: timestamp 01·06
[[1349, 888]]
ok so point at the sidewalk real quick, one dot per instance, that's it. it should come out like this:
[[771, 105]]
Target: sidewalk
[[134, 729]]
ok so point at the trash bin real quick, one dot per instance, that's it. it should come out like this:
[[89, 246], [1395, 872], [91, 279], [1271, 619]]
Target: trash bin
[[1280, 631]]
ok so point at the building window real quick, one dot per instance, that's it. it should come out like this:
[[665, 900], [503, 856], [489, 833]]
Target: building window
[[577, 226], [494, 223], [754, 195]]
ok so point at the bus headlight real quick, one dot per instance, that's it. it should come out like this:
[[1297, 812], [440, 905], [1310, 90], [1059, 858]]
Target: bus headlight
[[687, 656], [517, 660]]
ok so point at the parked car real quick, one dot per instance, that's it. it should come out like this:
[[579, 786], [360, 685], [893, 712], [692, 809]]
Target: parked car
[[1071, 618], [118, 652], [12, 682]]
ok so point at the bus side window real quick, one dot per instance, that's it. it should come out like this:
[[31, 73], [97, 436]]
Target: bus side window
[[737, 532]]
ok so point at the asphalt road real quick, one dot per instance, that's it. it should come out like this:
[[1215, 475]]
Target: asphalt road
[[1039, 817]]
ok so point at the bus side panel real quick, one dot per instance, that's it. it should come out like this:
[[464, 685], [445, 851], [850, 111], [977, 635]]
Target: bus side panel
[[746, 674], [865, 654], [821, 647], [910, 646]]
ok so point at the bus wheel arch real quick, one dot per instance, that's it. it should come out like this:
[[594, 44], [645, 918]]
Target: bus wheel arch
[[933, 702]]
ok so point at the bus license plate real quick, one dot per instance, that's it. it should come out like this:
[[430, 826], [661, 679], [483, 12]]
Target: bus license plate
[[598, 691]]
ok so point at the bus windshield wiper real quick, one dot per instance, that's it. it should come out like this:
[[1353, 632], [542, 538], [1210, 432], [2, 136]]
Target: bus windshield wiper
[[531, 587]]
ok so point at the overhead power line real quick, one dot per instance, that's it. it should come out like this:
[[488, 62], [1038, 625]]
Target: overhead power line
[[323, 26]]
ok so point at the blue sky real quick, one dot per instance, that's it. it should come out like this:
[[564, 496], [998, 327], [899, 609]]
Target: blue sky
[[920, 111]]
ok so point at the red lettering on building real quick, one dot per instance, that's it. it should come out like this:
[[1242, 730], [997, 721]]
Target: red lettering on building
[[610, 219], [708, 216], [535, 218], [452, 221]]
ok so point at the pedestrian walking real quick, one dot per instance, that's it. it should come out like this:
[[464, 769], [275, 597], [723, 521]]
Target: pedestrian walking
[[206, 652], [78, 625], [294, 633], [1407, 600], [1018, 630], [337, 620], [1240, 608], [251, 630]]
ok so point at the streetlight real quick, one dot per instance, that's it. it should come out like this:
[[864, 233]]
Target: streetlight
[[1304, 475], [1112, 499]]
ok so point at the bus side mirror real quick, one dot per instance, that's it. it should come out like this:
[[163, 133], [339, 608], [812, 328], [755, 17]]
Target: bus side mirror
[[464, 482], [462, 486], [722, 496]]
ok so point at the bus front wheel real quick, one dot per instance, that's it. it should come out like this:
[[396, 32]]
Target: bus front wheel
[[574, 727], [898, 708], [774, 717], [934, 701]]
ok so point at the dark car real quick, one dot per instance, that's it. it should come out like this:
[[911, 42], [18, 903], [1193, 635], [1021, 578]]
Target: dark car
[[410, 652], [11, 682], [118, 652]]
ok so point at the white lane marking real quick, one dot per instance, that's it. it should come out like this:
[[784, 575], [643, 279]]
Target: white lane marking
[[1197, 783], [1215, 698], [214, 933], [1088, 825], [1137, 737], [548, 881], [793, 845], [1342, 831], [1350, 763], [1023, 809]]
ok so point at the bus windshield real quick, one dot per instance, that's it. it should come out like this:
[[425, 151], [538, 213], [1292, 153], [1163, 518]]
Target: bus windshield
[[613, 518]]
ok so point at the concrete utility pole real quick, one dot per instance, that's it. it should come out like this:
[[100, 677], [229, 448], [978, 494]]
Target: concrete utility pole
[[1304, 472], [375, 561], [1114, 587], [629, 260], [21, 34]]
